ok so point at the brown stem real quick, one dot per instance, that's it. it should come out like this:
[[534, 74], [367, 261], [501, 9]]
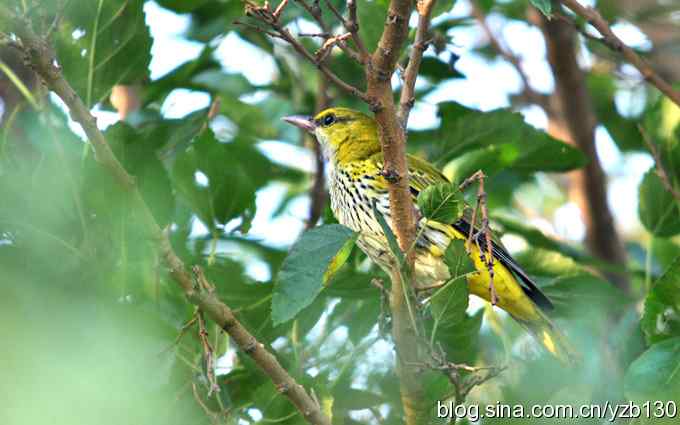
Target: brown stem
[[264, 14], [407, 98], [576, 116], [43, 60], [315, 11], [393, 142], [614, 43], [352, 25], [392, 138], [379, 67]]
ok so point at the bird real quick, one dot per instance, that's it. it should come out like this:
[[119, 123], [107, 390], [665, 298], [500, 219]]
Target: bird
[[358, 187]]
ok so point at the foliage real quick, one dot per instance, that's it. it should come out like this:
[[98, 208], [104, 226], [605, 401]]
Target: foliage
[[310, 264], [89, 311], [442, 202]]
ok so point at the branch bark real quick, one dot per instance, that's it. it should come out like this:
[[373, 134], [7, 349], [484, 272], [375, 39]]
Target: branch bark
[[402, 213], [407, 98], [267, 16], [576, 120], [42, 58], [613, 42], [379, 68]]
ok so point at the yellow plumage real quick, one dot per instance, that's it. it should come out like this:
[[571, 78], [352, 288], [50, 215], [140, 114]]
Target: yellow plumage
[[350, 143]]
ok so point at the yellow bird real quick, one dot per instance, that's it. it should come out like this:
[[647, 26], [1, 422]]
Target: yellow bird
[[349, 140]]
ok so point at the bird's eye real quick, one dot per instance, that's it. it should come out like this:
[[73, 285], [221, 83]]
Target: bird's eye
[[328, 120]]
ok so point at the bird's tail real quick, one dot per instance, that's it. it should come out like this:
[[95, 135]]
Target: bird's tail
[[552, 339]]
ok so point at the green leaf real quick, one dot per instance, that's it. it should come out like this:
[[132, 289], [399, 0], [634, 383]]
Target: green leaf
[[461, 341], [140, 159], [230, 188], [623, 130], [351, 284], [443, 6], [182, 6], [658, 209], [437, 70], [536, 239], [371, 15], [449, 303], [545, 6], [233, 287], [441, 202], [655, 375], [457, 259], [363, 319], [301, 277], [354, 399], [583, 294], [103, 43], [522, 147], [661, 317], [490, 159]]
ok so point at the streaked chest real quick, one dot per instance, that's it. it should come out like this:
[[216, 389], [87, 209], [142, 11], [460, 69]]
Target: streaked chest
[[353, 191]]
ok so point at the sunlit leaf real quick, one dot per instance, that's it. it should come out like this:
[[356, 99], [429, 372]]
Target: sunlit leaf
[[102, 43], [372, 18], [301, 277], [457, 259], [442, 202], [524, 148]]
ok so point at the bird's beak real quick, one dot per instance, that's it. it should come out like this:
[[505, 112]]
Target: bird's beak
[[302, 121]]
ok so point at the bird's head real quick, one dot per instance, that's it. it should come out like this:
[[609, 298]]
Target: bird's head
[[344, 134]]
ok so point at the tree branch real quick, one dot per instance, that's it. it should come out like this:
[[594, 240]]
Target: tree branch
[[315, 11], [43, 61], [407, 98], [265, 15], [613, 42], [402, 212], [379, 68]]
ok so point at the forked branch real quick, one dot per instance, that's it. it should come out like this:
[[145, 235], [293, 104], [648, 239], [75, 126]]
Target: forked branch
[[42, 58], [407, 98], [265, 15]]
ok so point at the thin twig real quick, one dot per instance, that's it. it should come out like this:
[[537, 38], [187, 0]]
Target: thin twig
[[660, 169], [43, 61], [407, 98], [315, 11], [208, 354], [352, 25], [613, 42], [327, 46], [264, 14], [484, 230], [212, 415]]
